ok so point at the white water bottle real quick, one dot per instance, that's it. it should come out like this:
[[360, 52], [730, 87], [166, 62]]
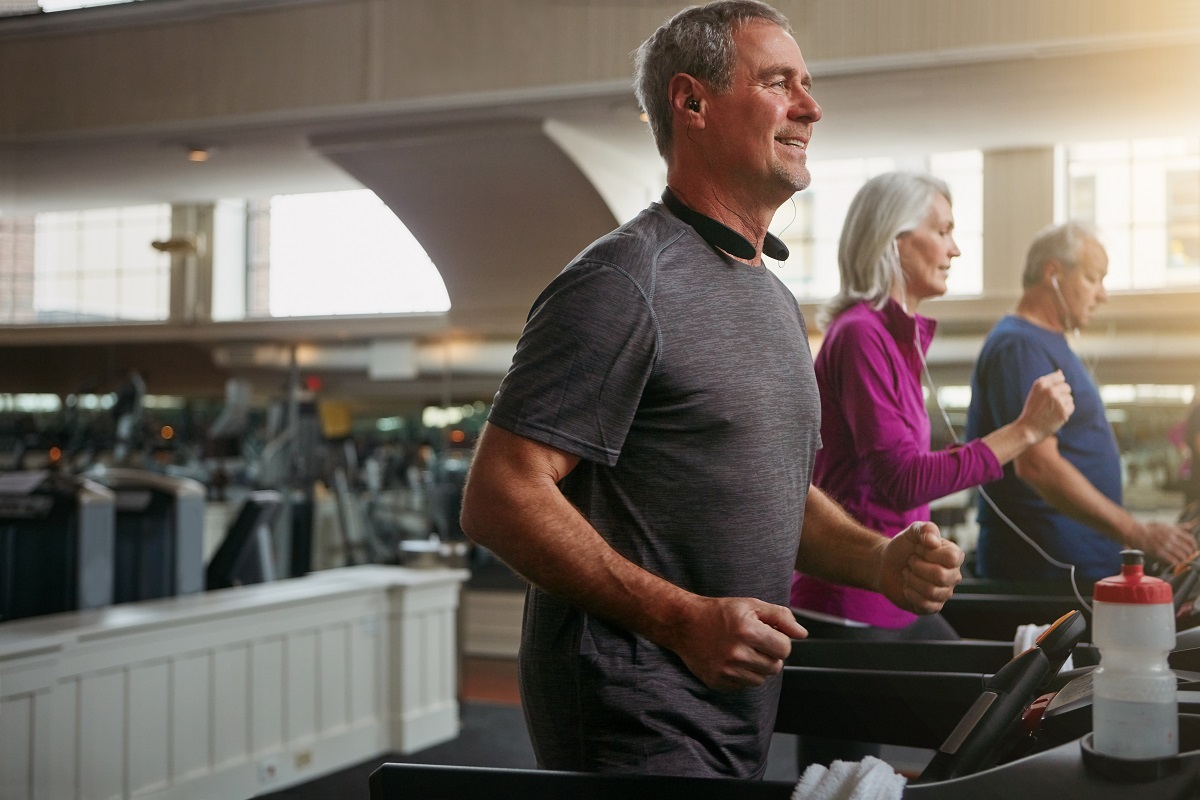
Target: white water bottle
[[1135, 712]]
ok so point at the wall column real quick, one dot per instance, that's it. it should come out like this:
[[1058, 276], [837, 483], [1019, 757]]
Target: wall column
[[1018, 201], [190, 247]]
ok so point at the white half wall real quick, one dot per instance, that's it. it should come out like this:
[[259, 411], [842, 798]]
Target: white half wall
[[492, 622], [229, 693]]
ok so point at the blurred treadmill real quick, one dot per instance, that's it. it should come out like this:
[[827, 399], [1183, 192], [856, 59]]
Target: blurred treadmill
[[993, 609], [56, 544], [159, 541]]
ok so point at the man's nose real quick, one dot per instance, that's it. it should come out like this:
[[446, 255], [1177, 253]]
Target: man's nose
[[806, 108]]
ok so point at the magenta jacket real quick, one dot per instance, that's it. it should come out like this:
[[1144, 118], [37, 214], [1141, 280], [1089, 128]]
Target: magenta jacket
[[875, 458]]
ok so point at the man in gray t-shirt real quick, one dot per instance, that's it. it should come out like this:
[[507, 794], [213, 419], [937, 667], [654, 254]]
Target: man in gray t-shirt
[[647, 460], [690, 465]]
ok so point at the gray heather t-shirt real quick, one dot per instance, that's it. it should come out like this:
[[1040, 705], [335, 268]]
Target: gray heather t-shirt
[[684, 382]]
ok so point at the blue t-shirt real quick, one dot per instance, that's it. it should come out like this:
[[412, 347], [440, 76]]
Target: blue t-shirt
[[1015, 354]]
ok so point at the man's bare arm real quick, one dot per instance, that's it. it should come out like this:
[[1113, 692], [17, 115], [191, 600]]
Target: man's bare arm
[[1063, 486], [916, 569]]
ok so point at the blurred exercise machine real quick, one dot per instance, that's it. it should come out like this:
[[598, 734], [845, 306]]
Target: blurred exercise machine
[[159, 539], [56, 544], [992, 610], [246, 554]]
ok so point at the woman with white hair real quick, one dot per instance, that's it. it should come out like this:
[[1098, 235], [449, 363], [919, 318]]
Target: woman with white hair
[[895, 252]]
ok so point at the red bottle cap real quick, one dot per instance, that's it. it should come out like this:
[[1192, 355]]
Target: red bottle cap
[[1132, 586], [1031, 718]]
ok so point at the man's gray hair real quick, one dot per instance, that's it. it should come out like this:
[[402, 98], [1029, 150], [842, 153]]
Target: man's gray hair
[[868, 261], [1062, 243], [697, 41]]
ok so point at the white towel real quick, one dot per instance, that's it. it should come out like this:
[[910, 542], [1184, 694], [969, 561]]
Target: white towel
[[869, 779], [1025, 638]]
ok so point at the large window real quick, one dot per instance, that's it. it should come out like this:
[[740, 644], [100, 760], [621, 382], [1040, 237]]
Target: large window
[[1183, 225], [85, 266], [963, 172], [16, 7], [811, 223], [325, 254], [16, 270], [1143, 198], [337, 253]]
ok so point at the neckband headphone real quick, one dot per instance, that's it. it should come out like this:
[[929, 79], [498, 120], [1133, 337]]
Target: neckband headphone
[[722, 236]]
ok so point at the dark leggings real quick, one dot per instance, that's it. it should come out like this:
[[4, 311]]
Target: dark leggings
[[817, 750]]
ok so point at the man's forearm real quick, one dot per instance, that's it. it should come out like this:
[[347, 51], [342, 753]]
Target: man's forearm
[[837, 548], [1063, 486]]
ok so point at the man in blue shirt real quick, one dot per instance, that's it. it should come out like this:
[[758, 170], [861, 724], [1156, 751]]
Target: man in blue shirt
[[1064, 492]]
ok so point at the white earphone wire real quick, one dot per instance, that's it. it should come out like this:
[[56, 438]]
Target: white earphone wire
[[983, 492], [1088, 363]]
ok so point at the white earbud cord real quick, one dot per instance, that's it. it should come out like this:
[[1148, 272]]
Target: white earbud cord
[[1088, 364], [982, 492], [784, 229]]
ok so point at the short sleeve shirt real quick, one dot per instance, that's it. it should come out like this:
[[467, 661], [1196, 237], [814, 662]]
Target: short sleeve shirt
[[1014, 355], [684, 382]]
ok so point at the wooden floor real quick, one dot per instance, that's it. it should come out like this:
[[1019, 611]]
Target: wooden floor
[[490, 680]]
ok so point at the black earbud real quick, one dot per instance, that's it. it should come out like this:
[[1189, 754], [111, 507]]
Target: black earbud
[[693, 104]]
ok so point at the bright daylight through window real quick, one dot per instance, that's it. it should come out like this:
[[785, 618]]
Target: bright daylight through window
[[327, 254], [811, 223], [347, 253]]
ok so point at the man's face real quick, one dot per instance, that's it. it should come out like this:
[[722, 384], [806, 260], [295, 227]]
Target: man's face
[[1083, 287], [762, 126]]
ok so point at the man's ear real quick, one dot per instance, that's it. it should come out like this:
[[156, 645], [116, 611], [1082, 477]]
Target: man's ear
[[1052, 272], [687, 99]]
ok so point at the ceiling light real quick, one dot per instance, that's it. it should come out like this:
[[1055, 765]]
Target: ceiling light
[[197, 154]]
